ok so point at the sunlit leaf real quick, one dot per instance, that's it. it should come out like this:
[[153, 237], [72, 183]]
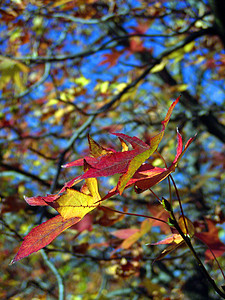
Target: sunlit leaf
[[42, 235]]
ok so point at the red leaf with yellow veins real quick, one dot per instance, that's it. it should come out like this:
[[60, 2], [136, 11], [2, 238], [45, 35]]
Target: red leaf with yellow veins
[[113, 162], [42, 235]]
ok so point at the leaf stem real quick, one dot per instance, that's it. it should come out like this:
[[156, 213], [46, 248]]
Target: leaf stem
[[136, 215], [178, 198]]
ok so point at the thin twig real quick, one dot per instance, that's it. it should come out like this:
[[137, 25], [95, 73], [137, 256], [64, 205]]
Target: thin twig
[[56, 273], [136, 215]]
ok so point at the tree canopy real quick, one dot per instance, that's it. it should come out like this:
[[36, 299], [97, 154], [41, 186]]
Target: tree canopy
[[100, 102]]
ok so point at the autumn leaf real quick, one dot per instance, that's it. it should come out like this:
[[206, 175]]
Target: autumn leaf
[[130, 235], [41, 200], [43, 235], [147, 175], [111, 58], [175, 240], [112, 162], [139, 159], [211, 239], [108, 162], [72, 206], [78, 203]]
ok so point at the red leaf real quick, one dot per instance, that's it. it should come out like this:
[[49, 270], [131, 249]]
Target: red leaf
[[84, 224], [42, 235], [124, 233], [147, 175], [114, 162], [111, 58], [141, 157], [40, 200], [125, 162], [211, 239]]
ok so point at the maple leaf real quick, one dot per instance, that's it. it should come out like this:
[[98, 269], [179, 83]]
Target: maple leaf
[[111, 58], [138, 160], [147, 175], [211, 239], [43, 235], [96, 150], [130, 235], [72, 207], [77, 204], [175, 240], [108, 162]]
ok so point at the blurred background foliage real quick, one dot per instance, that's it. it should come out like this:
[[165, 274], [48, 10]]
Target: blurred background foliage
[[69, 68]]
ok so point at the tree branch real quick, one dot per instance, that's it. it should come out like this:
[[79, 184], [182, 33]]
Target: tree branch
[[25, 173]]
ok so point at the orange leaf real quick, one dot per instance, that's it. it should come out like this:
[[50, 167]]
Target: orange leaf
[[130, 236]]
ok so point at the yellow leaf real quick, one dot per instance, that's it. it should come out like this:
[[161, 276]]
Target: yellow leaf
[[97, 150], [52, 102], [61, 112], [61, 2], [157, 162], [145, 227], [121, 86], [74, 204], [124, 145], [189, 47], [159, 67], [11, 70], [103, 87], [93, 188], [179, 88], [186, 226], [82, 81], [77, 204]]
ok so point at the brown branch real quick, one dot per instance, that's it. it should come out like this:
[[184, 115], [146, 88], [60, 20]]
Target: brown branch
[[25, 173]]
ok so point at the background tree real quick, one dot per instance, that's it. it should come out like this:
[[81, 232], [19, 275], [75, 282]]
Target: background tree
[[69, 68]]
